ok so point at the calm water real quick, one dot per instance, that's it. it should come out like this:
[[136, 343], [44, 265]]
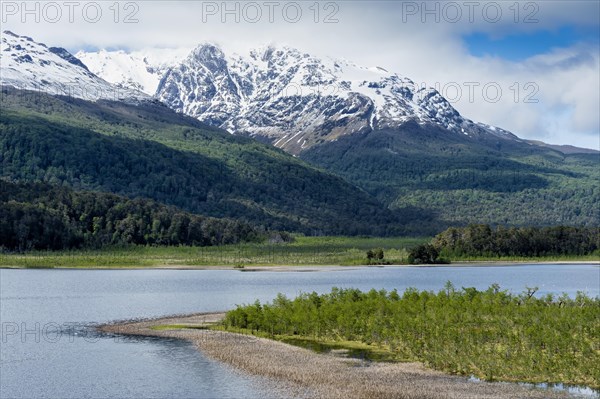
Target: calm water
[[47, 350]]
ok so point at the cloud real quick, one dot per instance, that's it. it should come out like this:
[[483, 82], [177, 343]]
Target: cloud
[[552, 96]]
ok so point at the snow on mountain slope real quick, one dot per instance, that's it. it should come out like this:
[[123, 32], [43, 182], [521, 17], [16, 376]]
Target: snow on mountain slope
[[280, 95], [141, 70], [295, 100], [26, 64]]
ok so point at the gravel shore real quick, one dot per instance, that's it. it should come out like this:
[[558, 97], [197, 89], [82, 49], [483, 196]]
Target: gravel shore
[[301, 373]]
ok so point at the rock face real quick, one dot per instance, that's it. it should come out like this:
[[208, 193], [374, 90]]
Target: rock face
[[295, 101], [26, 64]]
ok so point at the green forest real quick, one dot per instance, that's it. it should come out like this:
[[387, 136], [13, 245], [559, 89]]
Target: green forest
[[454, 180], [149, 151], [485, 241], [492, 334], [44, 217], [481, 241]]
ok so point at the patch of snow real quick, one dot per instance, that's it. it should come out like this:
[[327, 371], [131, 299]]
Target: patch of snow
[[141, 69]]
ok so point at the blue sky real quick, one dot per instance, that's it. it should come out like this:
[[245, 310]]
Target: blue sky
[[520, 46]]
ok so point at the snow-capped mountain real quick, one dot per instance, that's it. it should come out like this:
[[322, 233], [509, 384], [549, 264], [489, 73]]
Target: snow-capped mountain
[[141, 70], [26, 64], [295, 100], [281, 95], [287, 97]]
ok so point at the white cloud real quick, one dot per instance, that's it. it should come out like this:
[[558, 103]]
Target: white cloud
[[389, 34]]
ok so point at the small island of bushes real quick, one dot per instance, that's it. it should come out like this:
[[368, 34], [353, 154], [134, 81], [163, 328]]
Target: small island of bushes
[[491, 334]]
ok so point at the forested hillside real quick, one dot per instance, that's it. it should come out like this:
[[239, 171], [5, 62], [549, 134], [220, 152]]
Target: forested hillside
[[41, 216], [149, 151], [452, 179]]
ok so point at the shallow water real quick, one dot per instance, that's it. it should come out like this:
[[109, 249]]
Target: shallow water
[[48, 348], [575, 390]]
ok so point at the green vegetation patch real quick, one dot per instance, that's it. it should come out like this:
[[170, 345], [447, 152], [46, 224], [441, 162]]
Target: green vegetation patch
[[353, 349], [302, 251], [491, 334]]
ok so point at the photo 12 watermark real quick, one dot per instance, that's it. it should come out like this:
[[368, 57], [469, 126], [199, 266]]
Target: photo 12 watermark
[[54, 12], [270, 12], [50, 332], [454, 12], [453, 92], [488, 92], [69, 332]]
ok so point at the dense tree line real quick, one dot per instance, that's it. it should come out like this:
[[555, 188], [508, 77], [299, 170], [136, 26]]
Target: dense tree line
[[492, 334], [40, 216], [483, 240]]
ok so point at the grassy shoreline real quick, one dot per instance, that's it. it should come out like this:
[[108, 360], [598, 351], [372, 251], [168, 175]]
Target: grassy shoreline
[[305, 251], [299, 372], [363, 351]]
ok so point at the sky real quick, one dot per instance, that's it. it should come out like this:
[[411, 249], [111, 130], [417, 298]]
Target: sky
[[531, 67]]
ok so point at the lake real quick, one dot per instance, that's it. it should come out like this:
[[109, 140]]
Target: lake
[[49, 349]]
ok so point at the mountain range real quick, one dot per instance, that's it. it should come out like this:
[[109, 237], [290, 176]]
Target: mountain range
[[283, 96], [418, 164]]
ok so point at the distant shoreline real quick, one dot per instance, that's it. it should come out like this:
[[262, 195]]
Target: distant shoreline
[[312, 253], [298, 372], [313, 268]]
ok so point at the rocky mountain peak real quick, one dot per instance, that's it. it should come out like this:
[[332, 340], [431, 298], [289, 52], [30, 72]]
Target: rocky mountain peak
[[295, 100]]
